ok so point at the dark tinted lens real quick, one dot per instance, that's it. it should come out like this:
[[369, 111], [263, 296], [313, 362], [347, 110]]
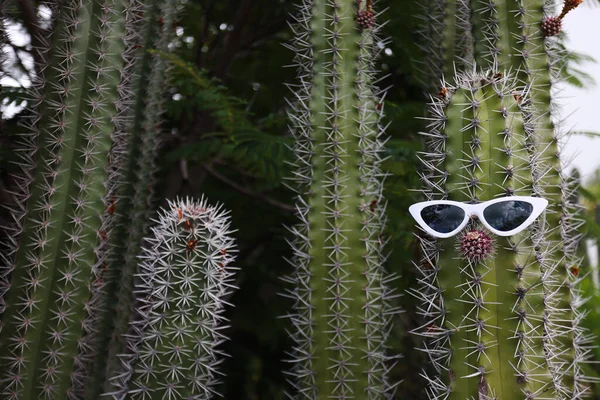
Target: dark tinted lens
[[443, 218], [507, 215]]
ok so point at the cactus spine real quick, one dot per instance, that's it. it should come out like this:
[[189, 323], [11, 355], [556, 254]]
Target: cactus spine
[[341, 299], [485, 318], [54, 262], [184, 278]]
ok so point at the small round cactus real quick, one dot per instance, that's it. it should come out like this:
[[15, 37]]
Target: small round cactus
[[476, 245], [365, 17], [552, 26]]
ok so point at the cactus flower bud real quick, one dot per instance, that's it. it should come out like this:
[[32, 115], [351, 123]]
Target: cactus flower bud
[[476, 245]]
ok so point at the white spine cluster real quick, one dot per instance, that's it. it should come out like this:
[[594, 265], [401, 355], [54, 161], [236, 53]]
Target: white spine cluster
[[185, 278], [462, 309]]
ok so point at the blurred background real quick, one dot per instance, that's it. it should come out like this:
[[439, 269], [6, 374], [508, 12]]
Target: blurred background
[[226, 137]]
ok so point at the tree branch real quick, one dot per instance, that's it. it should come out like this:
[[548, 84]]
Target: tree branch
[[19, 60], [30, 21], [248, 192]]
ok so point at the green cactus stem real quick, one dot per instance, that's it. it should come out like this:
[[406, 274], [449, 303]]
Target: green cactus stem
[[339, 287], [446, 40], [90, 362], [430, 43], [520, 37], [184, 279], [52, 266], [484, 315]]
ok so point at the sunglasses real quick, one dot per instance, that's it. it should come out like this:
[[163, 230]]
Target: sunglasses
[[503, 216]]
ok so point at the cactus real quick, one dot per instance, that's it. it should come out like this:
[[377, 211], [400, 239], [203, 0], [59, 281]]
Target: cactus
[[566, 338], [184, 278], [133, 197], [83, 363], [484, 314], [340, 289], [518, 36], [47, 275]]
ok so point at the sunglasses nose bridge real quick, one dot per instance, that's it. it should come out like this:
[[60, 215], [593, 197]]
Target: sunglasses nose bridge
[[471, 214]]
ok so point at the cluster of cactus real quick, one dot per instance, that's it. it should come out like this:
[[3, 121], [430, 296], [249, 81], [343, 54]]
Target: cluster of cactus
[[518, 38], [342, 302], [82, 210], [48, 275], [502, 320]]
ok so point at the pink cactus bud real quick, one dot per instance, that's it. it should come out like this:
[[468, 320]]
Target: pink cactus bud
[[551, 26], [476, 245]]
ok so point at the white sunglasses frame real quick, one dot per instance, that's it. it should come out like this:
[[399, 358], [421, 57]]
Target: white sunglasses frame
[[539, 205]]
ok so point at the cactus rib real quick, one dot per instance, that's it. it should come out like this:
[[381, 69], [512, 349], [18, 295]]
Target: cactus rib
[[340, 289]]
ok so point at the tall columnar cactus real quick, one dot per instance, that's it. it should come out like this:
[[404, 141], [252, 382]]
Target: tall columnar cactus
[[185, 277], [132, 200], [46, 280], [520, 36], [567, 340], [341, 299], [83, 367], [483, 297]]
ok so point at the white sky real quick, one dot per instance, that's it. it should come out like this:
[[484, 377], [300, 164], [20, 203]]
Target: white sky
[[581, 107]]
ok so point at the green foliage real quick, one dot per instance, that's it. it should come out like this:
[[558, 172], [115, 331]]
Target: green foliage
[[256, 147]]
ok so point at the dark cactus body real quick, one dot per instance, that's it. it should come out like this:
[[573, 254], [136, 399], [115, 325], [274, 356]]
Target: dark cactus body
[[78, 114], [134, 197], [87, 191]]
